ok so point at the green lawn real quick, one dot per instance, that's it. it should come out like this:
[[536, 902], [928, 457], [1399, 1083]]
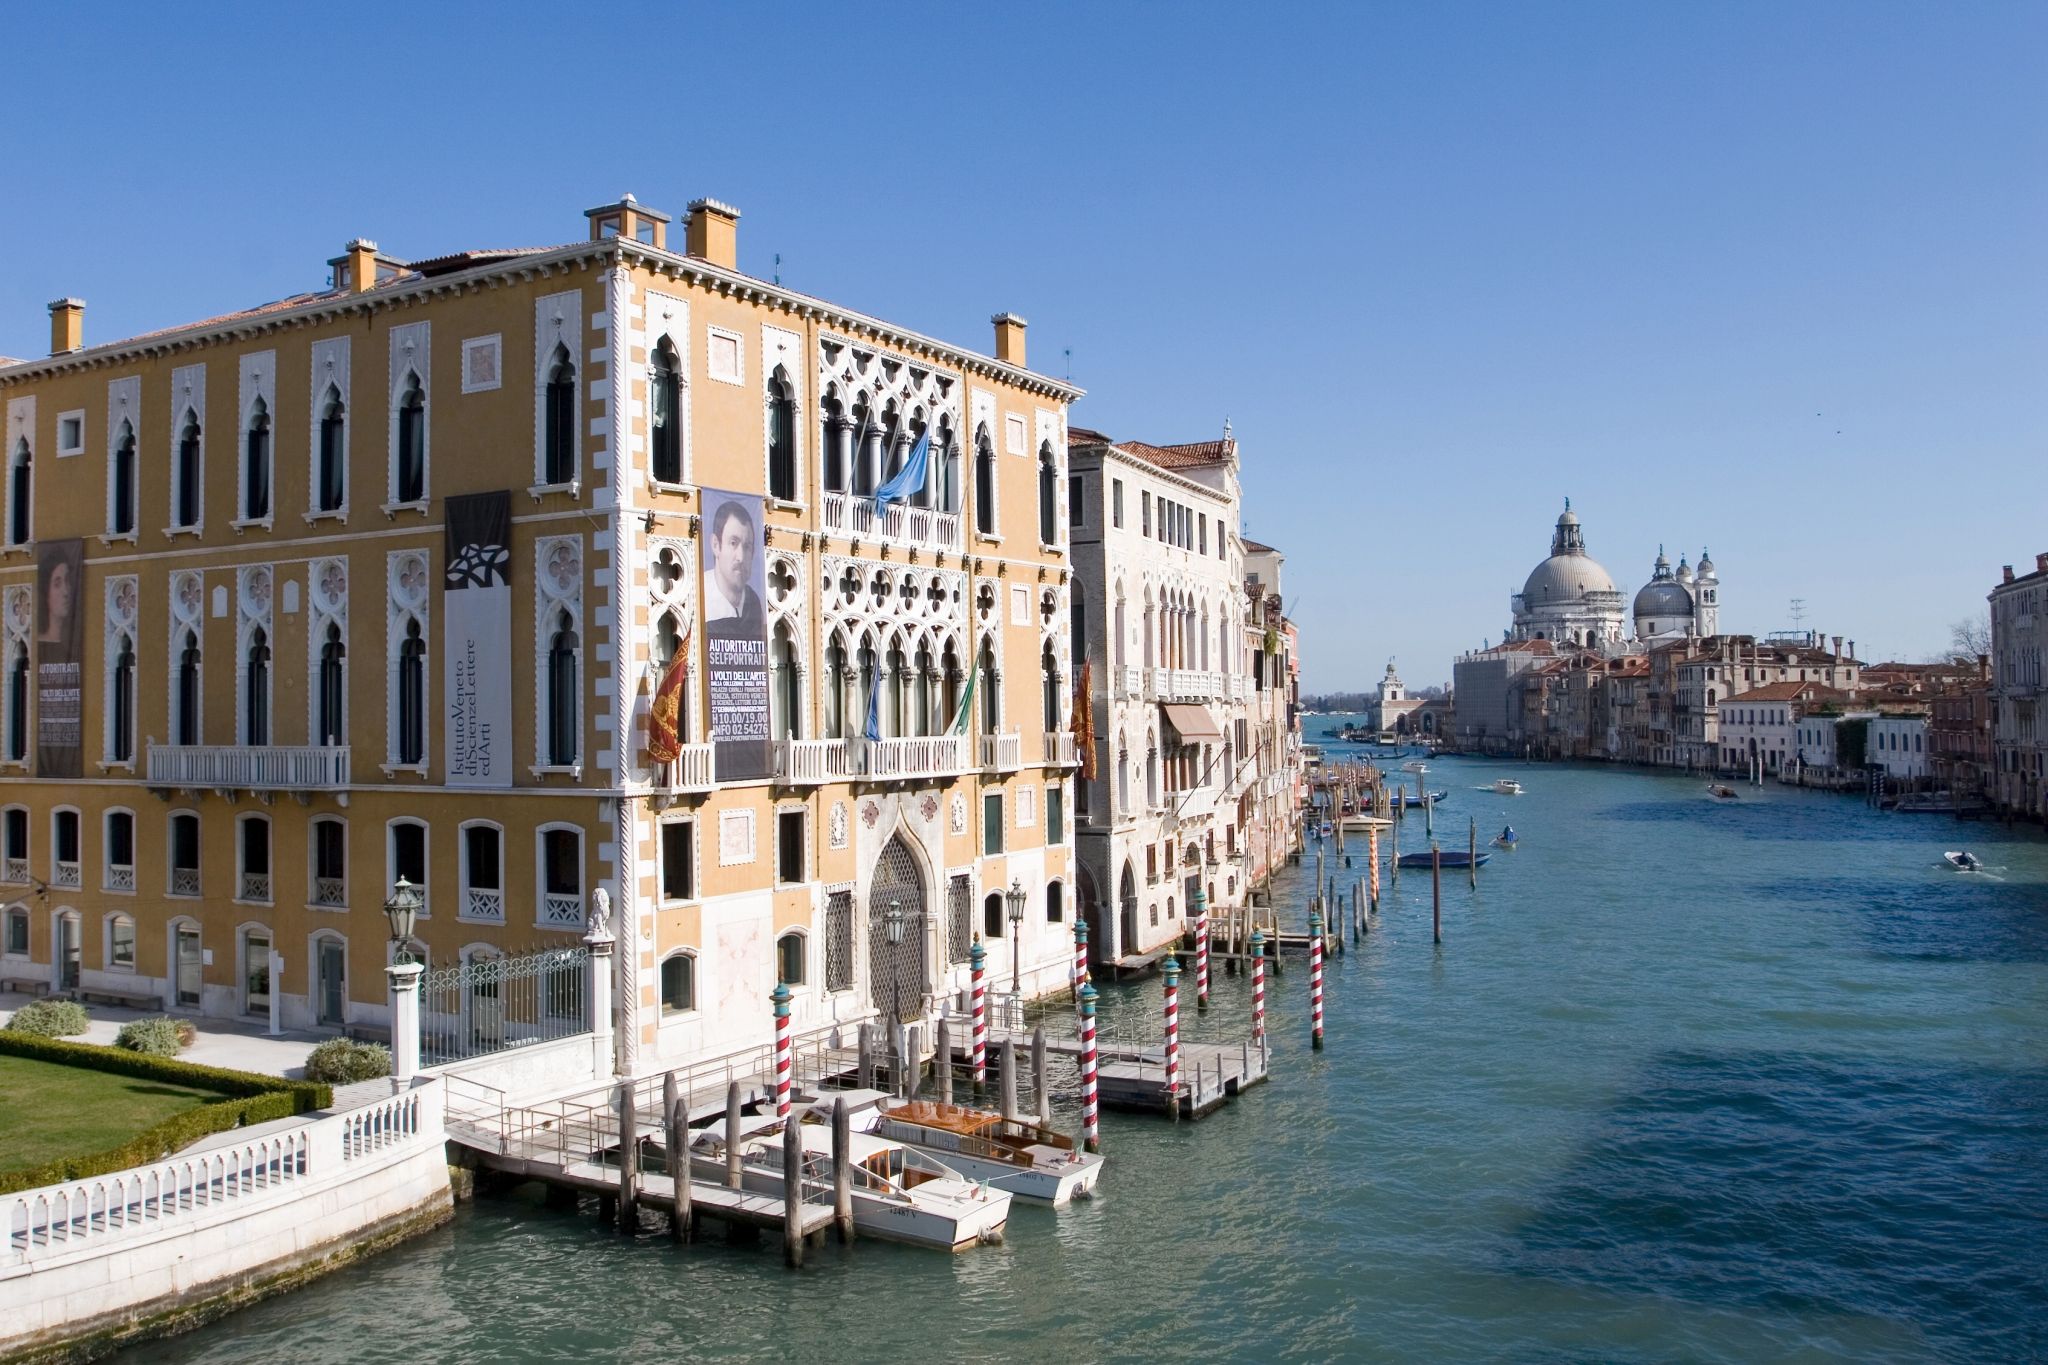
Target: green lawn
[[49, 1111]]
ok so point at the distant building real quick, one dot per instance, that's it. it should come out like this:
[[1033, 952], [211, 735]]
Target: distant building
[[1392, 706], [1898, 746], [1960, 754], [2019, 691]]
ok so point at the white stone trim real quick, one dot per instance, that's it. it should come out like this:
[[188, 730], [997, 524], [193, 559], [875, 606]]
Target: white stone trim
[[664, 317], [557, 322], [65, 452], [478, 374], [722, 343], [557, 588], [254, 591], [783, 349], [411, 352], [329, 370], [736, 841], [188, 399], [124, 411], [258, 384], [408, 583]]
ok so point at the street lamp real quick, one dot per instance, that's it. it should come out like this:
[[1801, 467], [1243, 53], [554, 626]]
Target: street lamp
[[400, 912], [1015, 897], [892, 924]]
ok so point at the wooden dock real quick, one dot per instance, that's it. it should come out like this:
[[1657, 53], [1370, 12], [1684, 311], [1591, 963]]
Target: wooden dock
[[743, 1207], [1211, 1074]]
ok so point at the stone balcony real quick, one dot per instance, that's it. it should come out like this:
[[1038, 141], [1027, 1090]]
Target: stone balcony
[[812, 762], [236, 767], [859, 516], [1188, 684]]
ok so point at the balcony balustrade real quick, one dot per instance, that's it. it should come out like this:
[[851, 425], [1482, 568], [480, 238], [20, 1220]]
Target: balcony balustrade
[[66, 875], [814, 761], [184, 881], [121, 877], [853, 514], [330, 893], [1059, 749], [249, 768], [256, 887], [694, 769], [484, 903], [14, 870], [1129, 681], [561, 910], [1186, 684], [1002, 753]]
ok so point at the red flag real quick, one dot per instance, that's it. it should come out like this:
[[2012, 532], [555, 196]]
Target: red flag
[[1084, 722], [664, 730]]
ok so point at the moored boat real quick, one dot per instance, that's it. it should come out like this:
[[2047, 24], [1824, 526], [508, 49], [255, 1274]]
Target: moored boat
[[899, 1194], [1450, 857], [1030, 1162]]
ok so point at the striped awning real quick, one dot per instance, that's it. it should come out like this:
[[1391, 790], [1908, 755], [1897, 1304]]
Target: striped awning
[[1192, 722]]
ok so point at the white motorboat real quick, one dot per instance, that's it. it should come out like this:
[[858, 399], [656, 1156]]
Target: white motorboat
[[1507, 786], [1415, 765], [1962, 861], [1031, 1162], [899, 1194]]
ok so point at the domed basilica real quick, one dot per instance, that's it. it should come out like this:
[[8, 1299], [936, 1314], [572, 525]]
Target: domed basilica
[[1571, 600]]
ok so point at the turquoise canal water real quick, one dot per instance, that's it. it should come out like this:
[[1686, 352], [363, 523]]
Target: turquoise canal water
[[1687, 1080]]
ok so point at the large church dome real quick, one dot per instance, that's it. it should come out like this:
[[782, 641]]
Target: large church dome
[[1663, 597], [1565, 578]]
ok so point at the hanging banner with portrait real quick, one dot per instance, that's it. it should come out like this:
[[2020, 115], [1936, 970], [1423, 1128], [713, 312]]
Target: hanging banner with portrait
[[736, 633], [60, 584], [476, 640]]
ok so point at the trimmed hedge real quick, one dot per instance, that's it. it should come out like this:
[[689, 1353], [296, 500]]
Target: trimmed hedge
[[254, 1099], [159, 1036], [341, 1061], [49, 1019]]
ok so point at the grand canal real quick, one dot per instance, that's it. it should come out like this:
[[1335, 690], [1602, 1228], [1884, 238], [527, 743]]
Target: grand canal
[[1686, 1080]]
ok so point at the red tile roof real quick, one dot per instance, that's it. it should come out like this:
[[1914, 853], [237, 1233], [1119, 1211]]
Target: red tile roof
[[1187, 455]]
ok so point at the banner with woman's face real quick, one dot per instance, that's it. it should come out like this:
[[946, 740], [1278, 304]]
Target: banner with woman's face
[[60, 584]]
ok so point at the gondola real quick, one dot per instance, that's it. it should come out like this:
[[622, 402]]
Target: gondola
[[1446, 858]]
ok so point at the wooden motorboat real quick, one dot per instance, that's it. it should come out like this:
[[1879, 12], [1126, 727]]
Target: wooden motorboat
[[899, 1194], [1034, 1163], [1721, 791]]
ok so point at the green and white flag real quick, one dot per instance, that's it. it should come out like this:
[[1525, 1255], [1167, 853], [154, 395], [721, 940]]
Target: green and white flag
[[959, 726]]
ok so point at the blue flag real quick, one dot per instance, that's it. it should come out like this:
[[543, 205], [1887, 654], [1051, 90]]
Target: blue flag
[[910, 478], [874, 725]]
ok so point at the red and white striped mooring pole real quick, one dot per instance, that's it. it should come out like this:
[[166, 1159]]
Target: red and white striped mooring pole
[[1171, 969], [1080, 958], [783, 1057], [977, 966], [1259, 986], [1091, 1123], [1315, 978], [1201, 909]]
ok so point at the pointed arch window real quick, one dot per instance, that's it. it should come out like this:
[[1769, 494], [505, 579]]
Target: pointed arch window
[[896, 700], [185, 475], [1048, 496], [953, 679], [835, 689], [665, 413], [781, 437], [831, 451], [256, 464], [17, 706], [412, 695], [20, 487], [121, 480], [785, 692], [925, 707], [946, 451], [256, 690], [188, 699], [409, 475], [984, 483], [1049, 667], [561, 698], [121, 712], [330, 722], [558, 420], [330, 474], [989, 685]]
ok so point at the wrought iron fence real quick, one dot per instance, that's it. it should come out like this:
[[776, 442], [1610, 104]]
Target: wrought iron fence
[[489, 1004]]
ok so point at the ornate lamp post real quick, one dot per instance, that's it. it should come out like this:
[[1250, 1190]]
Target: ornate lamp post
[[401, 912], [1015, 899], [893, 923]]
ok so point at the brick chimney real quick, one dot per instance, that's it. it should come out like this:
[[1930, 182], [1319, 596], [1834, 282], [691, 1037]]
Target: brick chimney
[[360, 266], [2041, 563], [67, 326], [1010, 338], [714, 233], [628, 218]]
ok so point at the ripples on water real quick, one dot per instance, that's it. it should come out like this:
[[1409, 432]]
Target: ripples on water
[[1687, 1080]]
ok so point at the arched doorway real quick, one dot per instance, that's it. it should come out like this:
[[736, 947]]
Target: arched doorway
[[898, 975], [1127, 910]]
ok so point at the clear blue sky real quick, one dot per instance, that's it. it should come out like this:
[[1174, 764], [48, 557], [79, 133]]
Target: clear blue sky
[[1766, 278]]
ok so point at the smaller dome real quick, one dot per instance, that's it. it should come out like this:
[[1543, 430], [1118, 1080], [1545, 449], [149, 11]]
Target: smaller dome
[[1568, 517], [1684, 570], [1663, 597], [1706, 565]]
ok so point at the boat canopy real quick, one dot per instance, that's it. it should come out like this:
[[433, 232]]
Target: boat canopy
[[1191, 721]]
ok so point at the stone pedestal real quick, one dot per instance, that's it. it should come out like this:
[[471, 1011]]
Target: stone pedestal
[[404, 978]]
